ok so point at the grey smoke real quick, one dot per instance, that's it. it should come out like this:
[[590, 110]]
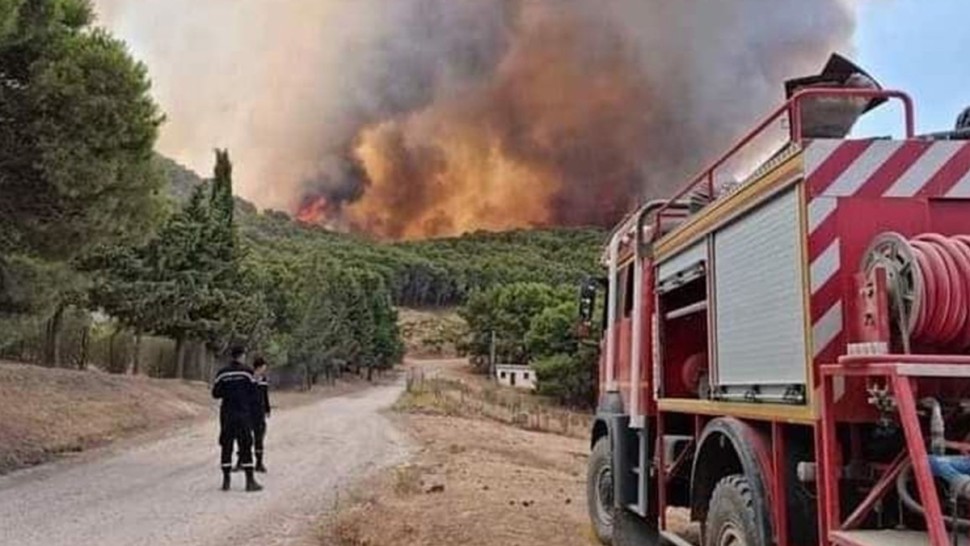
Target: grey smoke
[[288, 85]]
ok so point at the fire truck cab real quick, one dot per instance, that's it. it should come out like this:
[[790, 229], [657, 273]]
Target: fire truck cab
[[784, 358]]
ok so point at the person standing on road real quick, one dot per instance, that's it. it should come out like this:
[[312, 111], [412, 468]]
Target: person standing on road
[[261, 410], [235, 385]]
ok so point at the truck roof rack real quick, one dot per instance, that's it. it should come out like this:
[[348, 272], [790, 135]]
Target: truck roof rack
[[790, 111]]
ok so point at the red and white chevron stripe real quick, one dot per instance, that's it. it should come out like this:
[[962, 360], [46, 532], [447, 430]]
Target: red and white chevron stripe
[[865, 168]]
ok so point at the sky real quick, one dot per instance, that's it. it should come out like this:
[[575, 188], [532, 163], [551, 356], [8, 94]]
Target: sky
[[921, 47]]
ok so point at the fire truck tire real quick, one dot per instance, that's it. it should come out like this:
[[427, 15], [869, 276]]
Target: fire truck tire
[[599, 490], [731, 518], [630, 529]]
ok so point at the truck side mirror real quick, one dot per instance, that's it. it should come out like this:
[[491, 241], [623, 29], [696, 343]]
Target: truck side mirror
[[587, 303]]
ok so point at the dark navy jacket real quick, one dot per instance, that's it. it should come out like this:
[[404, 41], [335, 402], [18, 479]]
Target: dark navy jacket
[[235, 385], [261, 407]]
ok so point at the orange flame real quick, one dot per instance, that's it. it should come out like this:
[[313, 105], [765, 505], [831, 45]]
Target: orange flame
[[314, 210], [550, 139], [450, 184]]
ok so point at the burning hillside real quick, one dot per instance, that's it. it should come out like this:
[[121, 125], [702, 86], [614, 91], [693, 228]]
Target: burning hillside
[[434, 117]]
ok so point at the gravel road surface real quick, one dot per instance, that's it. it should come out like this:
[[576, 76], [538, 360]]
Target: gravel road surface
[[166, 492]]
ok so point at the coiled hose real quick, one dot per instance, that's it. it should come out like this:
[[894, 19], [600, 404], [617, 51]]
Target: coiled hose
[[929, 281]]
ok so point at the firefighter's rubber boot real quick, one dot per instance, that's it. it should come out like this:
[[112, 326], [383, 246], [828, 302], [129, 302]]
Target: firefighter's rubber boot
[[226, 480], [251, 484], [259, 464]]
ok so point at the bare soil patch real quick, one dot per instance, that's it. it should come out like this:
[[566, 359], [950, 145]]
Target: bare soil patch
[[473, 482], [482, 475], [494, 467]]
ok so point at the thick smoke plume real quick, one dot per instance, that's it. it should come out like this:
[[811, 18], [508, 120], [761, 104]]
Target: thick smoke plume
[[415, 118]]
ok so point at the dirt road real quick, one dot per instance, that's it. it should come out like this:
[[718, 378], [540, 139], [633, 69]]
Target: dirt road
[[166, 492]]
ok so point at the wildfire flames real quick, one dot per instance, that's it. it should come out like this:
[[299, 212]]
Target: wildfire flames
[[313, 210], [573, 124], [549, 139], [439, 117]]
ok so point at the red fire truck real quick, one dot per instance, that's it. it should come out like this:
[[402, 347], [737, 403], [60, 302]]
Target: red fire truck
[[785, 348]]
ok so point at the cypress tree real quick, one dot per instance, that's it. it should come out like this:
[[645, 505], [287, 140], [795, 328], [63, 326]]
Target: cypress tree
[[221, 200]]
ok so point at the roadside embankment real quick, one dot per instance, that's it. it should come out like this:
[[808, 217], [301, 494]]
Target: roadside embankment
[[46, 413]]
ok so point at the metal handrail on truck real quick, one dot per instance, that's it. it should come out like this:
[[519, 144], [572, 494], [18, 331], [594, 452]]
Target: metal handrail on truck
[[793, 110]]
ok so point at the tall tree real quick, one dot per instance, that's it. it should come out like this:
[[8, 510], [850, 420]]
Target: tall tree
[[386, 347], [245, 315], [221, 199], [77, 128], [323, 335], [507, 313], [189, 283]]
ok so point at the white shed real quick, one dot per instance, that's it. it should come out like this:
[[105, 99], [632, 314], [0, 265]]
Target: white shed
[[515, 375]]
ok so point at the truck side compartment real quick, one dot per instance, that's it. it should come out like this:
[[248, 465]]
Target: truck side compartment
[[785, 355]]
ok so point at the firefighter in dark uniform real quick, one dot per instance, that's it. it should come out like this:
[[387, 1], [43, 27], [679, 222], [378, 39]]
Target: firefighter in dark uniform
[[235, 385], [261, 411]]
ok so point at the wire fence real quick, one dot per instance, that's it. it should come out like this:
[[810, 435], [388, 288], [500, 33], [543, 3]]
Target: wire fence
[[435, 393]]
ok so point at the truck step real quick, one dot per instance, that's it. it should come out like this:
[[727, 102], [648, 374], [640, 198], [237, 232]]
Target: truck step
[[673, 539]]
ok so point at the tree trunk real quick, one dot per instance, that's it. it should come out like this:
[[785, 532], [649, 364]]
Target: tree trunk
[[136, 355], [111, 348], [52, 348], [180, 357], [210, 359], [200, 357], [370, 372], [82, 361], [48, 357]]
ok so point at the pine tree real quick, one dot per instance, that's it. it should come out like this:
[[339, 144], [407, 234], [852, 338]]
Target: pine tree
[[77, 133]]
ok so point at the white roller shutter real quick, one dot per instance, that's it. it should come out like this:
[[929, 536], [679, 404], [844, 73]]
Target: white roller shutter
[[760, 310], [688, 258]]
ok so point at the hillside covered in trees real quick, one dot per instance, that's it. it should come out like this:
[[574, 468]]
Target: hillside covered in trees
[[106, 247], [421, 274], [440, 272]]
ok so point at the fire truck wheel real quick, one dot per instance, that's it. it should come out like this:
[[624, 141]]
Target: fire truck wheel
[[599, 490], [731, 519]]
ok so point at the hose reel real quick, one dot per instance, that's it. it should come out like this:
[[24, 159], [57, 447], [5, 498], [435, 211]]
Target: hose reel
[[928, 281]]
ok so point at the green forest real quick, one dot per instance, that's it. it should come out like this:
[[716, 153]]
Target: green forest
[[114, 256]]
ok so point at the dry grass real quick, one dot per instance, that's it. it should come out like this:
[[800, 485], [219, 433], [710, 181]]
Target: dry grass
[[454, 390], [431, 333], [47, 412]]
